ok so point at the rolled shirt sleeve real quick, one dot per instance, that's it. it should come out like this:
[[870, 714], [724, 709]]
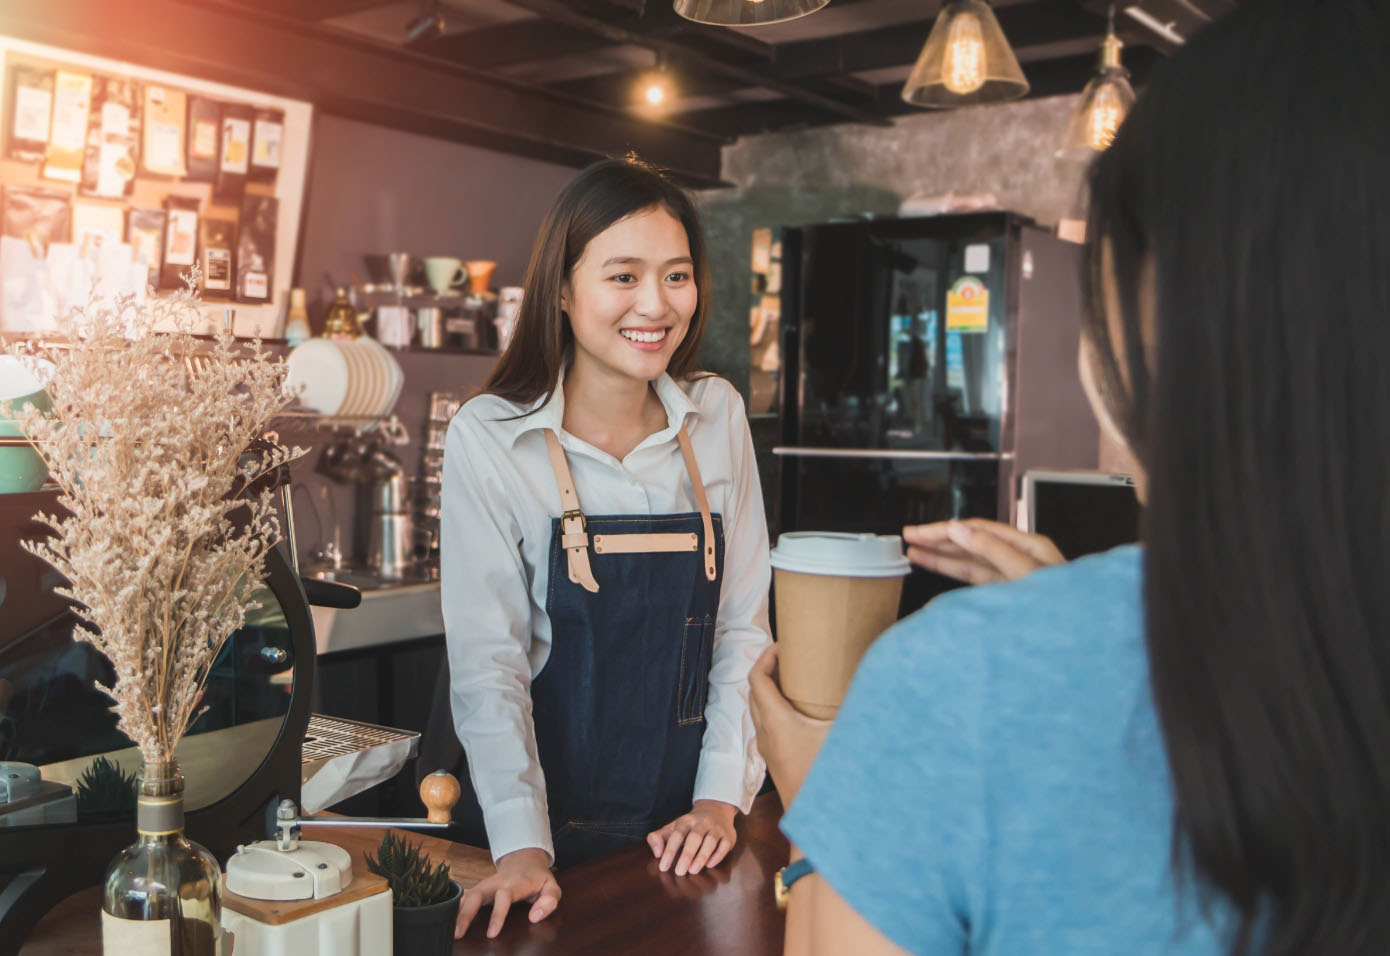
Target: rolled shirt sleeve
[[731, 769], [488, 621]]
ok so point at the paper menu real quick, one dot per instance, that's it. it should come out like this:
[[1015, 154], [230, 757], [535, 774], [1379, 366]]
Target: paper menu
[[109, 168], [180, 242], [236, 145], [67, 138], [31, 110], [165, 118], [269, 134], [96, 225], [204, 138]]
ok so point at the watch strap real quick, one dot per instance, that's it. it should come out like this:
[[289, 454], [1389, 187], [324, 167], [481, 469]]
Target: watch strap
[[786, 876]]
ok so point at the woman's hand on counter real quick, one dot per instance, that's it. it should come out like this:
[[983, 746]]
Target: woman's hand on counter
[[978, 551], [523, 875], [702, 837], [787, 738]]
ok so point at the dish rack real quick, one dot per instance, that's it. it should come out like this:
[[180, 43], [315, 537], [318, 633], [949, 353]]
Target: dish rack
[[442, 408]]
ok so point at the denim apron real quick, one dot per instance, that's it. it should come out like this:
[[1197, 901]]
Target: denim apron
[[619, 705]]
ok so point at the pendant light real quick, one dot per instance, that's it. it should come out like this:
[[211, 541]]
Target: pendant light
[[656, 90], [966, 61], [743, 13], [1104, 103]]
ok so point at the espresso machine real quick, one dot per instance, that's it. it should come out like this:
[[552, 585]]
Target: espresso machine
[[385, 530]]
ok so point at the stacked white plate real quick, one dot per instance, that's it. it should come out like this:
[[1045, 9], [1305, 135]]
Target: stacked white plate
[[346, 378]]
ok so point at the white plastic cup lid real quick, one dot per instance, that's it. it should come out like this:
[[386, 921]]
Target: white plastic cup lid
[[838, 554]]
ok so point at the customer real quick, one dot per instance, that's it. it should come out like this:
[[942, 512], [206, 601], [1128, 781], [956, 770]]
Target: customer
[[1183, 750]]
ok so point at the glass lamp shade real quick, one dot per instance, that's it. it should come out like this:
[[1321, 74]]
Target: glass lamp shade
[[742, 13], [1104, 105], [966, 61]]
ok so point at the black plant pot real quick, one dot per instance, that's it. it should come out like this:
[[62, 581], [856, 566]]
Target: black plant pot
[[426, 930]]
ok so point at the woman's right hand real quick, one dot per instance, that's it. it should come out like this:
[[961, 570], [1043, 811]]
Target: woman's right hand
[[523, 875], [978, 551]]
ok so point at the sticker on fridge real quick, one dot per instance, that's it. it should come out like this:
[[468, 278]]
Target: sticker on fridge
[[967, 306]]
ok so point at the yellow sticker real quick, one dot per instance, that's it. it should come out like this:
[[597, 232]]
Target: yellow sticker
[[967, 306]]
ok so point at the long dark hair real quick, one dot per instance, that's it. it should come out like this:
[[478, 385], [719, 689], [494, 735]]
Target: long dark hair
[[1253, 177], [595, 199]]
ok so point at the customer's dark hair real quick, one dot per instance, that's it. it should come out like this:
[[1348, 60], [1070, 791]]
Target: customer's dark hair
[[1253, 176], [594, 200]]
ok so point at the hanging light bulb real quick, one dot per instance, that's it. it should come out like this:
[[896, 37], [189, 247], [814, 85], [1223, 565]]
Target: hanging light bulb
[[964, 68], [965, 61], [656, 91], [1104, 103], [742, 13]]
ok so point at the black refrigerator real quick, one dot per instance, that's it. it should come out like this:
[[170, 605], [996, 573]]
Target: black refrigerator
[[915, 369]]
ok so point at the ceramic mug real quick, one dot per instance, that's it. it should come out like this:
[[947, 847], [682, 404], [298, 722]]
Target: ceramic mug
[[445, 273]]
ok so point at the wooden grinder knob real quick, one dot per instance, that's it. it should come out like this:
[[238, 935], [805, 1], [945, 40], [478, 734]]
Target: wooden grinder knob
[[439, 792]]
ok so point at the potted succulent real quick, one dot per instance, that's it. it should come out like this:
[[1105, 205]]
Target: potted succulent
[[426, 901]]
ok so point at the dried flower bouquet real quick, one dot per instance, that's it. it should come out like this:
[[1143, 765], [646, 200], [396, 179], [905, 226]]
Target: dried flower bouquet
[[153, 441]]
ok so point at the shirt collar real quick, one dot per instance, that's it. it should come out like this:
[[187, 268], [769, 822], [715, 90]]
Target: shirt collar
[[550, 413]]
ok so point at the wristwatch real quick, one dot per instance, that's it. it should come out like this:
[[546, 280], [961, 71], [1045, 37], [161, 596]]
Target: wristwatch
[[786, 876]]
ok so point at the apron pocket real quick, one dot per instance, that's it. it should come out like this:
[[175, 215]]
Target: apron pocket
[[697, 646]]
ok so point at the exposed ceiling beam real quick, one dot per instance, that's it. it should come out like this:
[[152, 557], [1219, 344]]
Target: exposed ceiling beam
[[352, 76], [1046, 78], [561, 12], [518, 42], [311, 10]]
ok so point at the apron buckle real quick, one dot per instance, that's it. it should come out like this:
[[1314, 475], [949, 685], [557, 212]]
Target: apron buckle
[[575, 513]]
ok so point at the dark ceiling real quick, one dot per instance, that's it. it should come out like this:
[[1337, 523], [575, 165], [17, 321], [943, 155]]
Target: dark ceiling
[[557, 79], [844, 63]]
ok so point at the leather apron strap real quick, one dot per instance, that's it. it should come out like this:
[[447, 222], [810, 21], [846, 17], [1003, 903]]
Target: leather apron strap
[[698, 485], [574, 528]]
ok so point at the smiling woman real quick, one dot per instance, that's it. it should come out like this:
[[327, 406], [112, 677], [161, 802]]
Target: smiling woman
[[604, 561]]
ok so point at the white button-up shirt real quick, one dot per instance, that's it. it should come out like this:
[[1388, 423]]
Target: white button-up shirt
[[499, 498]]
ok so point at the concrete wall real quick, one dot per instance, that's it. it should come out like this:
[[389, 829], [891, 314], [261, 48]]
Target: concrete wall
[[814, 175]]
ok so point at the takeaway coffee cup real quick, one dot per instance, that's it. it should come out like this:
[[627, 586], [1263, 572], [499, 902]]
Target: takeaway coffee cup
[[835, 594]]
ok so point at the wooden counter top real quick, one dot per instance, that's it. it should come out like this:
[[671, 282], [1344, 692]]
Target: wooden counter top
[[621, 905]]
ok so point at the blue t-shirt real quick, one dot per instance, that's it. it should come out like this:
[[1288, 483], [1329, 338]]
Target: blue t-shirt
[[996, 784]]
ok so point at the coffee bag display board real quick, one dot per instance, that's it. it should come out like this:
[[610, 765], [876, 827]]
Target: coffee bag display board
[[110, 168], [835, 594]]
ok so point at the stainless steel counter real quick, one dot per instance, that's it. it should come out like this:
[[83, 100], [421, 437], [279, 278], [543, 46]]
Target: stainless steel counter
[[391, 611]]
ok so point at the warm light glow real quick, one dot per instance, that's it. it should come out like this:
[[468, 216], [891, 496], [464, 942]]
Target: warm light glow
[[655, 94], [1106, 114], [964, 66]]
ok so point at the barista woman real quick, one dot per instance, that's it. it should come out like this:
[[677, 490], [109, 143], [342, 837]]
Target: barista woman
[[604, 558]]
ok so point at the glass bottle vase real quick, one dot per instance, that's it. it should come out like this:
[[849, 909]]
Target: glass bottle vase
[[162, 893]]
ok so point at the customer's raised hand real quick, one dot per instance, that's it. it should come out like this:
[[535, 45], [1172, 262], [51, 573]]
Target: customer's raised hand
[[523, 875], [978, 551]]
